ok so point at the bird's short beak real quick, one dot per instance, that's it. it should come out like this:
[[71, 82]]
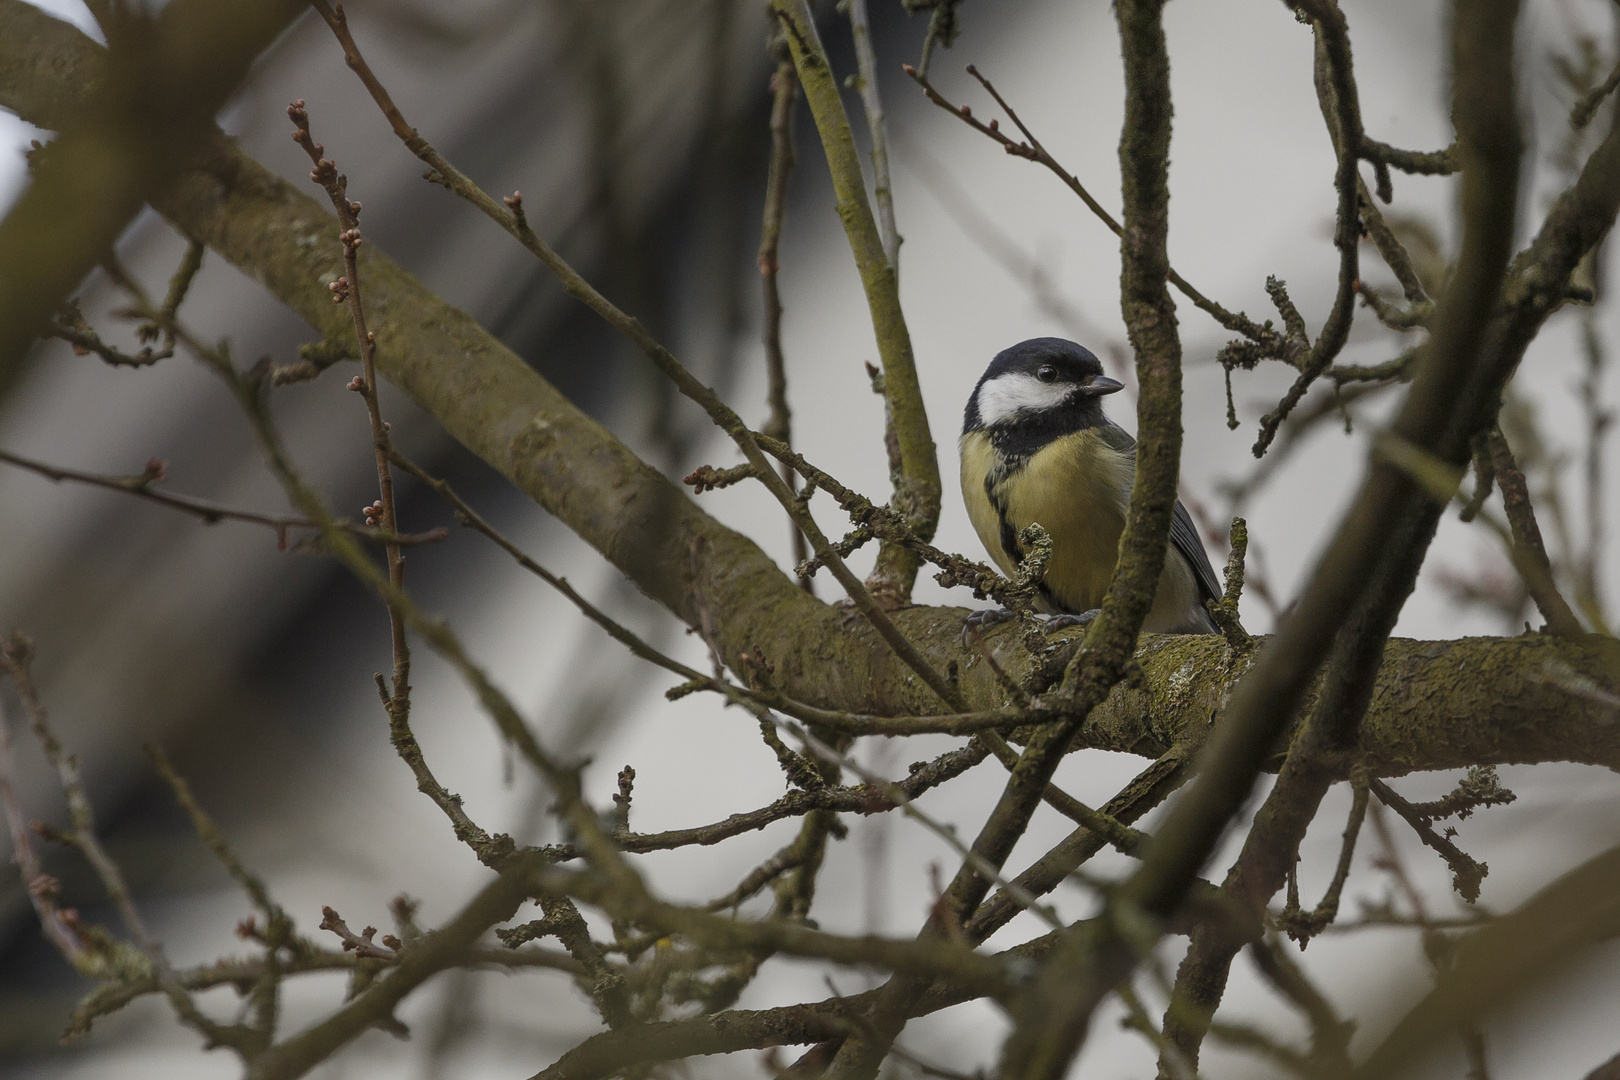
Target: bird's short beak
[[1101, 385]]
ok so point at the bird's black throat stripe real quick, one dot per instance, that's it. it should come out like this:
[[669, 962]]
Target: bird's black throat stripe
[[995, 491], [1016, 443]]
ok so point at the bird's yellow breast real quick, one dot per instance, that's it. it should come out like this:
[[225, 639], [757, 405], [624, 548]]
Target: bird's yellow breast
[[1076, 487]]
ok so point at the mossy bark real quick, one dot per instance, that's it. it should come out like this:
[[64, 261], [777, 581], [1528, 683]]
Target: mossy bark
[[1436, 704]]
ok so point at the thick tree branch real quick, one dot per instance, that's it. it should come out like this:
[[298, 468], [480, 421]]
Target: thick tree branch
[[1436, 704]]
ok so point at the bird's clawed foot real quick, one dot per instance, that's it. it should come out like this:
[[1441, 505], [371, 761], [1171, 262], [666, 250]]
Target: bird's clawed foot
[[988, 617], [1063, 622], [979, 620]]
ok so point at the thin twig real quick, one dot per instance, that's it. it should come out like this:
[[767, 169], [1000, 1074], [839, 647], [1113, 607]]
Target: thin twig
[[40, 886], [209, 513], [882, 189], [348, 289], [1032, 150], [915, 475], [1302, 926], [516, 223], [964, 723], [785, 95], [15, 656], [278, 930], [1527, 543], [1466, 873]]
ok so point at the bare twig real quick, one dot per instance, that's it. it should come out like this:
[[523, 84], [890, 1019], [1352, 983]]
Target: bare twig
[[71, 326], [278, 931], [41, 888], [1032, 150], [785, 94], [515, 222], [141, 485], [1466, 873], [917, 483], [1301, 925], [942, 26], [347, 289], [1527, 543], [15, 655], [882, 189]]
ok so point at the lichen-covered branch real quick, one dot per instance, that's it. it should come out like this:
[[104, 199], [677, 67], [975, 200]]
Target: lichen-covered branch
[[498, 407]]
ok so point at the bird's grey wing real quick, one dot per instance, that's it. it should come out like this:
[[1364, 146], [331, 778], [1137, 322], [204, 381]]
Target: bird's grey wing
[[1184, 535], [1116, 438]]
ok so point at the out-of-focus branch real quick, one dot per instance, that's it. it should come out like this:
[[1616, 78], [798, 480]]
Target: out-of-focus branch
[[141, 124], [1147, 790], [40, 886], [1599, 419], [501, 410], [423, 958], [876, 129], [1052, 1015], [1593, 99], [785, 94], [1356, 592], [110, 997], [1512, 956], [265, 995], [204, 510], [1110, 641], [943, 959], [919, 496], [16, 653]]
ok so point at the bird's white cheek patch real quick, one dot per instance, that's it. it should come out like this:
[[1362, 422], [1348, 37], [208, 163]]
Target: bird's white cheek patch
[[1004, 397]]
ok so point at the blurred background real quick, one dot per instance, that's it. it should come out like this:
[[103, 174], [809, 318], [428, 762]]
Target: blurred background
[[636, 130]]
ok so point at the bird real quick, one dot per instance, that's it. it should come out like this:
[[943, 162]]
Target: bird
[[1037, 447]]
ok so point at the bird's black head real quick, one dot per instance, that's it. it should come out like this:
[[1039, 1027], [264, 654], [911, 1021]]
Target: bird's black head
[[1046, 385]]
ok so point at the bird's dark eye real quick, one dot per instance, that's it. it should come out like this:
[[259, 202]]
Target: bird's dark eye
[[1046, 373]]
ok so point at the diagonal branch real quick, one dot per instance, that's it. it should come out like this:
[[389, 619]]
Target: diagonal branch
[[147, 117], [204, 510], [1527, 543], [499, 408], [516, 223]]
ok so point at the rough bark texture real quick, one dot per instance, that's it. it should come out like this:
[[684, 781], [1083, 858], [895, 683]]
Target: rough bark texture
[[1436, 704]]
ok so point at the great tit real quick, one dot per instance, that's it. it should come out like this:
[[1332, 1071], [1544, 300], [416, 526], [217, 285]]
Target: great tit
[[1036, 447]]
